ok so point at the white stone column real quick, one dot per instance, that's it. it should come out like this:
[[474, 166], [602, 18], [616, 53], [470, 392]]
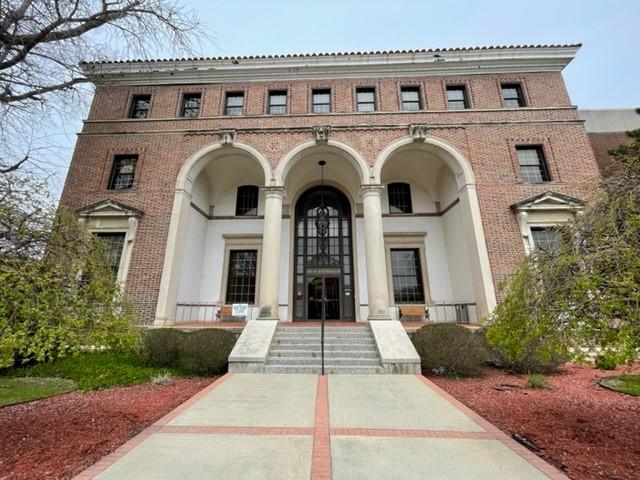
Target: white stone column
[[377, 286], [270, 263]]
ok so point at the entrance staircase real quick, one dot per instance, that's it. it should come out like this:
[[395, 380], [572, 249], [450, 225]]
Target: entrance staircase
[[346, 350]]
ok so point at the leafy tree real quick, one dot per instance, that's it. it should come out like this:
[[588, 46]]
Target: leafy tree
[[584, 297]]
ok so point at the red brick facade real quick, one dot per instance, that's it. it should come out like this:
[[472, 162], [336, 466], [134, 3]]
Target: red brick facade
[[486, 134]]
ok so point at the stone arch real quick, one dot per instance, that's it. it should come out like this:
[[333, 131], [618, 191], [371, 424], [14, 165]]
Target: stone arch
[[346, 151], [457, 162]]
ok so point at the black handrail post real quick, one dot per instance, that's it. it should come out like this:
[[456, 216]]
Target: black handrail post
[[322, 328]]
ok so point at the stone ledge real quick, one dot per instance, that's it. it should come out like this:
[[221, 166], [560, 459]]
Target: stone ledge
[[249, 354], [396, 351]]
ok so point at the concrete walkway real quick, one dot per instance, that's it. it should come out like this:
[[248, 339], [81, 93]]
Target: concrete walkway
[[340, 427]]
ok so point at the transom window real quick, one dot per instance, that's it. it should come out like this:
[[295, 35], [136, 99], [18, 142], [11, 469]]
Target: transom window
[[533, 166], [457, 97], [277, 102], [545, 239], [241, 282], [407, 275], [123, 172], [191, 104], [366, 99], [512, 95], [247, 201], [234, 103], [113, 245], [321, 100], [399, 198], [410, 98], [140, 105]]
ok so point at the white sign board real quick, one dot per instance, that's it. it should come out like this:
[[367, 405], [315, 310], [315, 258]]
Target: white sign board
[[239, 309]]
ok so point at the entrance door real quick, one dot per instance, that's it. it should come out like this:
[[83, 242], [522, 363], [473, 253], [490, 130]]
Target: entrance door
[[327, 288], [323, 256]]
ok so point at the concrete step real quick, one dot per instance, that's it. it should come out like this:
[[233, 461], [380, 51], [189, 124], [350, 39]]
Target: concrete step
[[336, 361], [328, 353], [328, 340], [327, 346], [333, 369], [326, 335]]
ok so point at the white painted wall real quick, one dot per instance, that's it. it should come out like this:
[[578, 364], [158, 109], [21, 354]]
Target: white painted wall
[[191, 274], [361, 267], [457, 256]]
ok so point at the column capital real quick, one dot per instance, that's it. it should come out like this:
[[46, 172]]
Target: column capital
[[371, 189], [276, 192]]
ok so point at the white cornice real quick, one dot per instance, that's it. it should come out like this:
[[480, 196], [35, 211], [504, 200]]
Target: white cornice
[[503, 60]]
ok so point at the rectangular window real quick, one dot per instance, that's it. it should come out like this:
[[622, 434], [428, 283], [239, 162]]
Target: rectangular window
[[545, 239], [247, 201], [140, 105], [512, 95], [123, 172], [399, 198], [277, 102], [321, 100], [366, 99], [410, 98], [113, 245], [533, 166], [407, 276], [234, 103], [241, 282], [191, 104], [457, 97]]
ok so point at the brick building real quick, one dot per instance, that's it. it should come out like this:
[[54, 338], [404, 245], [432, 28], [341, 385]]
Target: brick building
[[442, 169]]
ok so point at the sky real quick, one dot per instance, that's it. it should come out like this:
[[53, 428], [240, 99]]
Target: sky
[[605, 72]]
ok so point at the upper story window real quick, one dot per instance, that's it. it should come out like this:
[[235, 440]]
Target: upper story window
[[234, 103], [321, 100], [191, 104], [457, 97], [512, 95], [247, 201], [533, 166], [140, 105], [399, 198], [406, 275], [277, 102], [366, 99], [123, 172], [545, 239], [410, 97], [113, 245]]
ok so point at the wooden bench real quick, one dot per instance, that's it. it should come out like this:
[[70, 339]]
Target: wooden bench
[[224, 314], [414, 312]]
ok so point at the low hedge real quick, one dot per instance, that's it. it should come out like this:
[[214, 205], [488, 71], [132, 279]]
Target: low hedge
[[450, 349], [203, 352]]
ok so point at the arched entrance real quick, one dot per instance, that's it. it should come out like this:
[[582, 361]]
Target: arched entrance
[[323, 256]]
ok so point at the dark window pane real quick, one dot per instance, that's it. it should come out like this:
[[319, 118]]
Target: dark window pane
[[191, 104], [113, 244], [123, 172], [457, 98], [366, 99], [545, 239], [512, 95], [234, 103], [321, 100], [533, 166], [247, 201], [277, 102], [410, 98], [407, 276], [140, 105], [241, 282], [399, 198]]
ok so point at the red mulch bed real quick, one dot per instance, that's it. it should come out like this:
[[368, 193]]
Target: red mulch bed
[[58, 437], [588, 431]]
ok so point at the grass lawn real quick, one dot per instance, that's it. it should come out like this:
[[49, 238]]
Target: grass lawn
[[94, 371], [629, 384], [17, 390]]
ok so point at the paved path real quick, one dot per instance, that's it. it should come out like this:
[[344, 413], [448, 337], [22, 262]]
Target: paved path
[[340, 427]]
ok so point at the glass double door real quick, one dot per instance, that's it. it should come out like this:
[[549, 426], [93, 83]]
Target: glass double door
[[323, 290]]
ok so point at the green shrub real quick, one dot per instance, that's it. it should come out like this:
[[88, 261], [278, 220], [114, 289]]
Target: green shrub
[[206, 352], [538, 381], [606, 361], [450, 349], [162, 347]]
